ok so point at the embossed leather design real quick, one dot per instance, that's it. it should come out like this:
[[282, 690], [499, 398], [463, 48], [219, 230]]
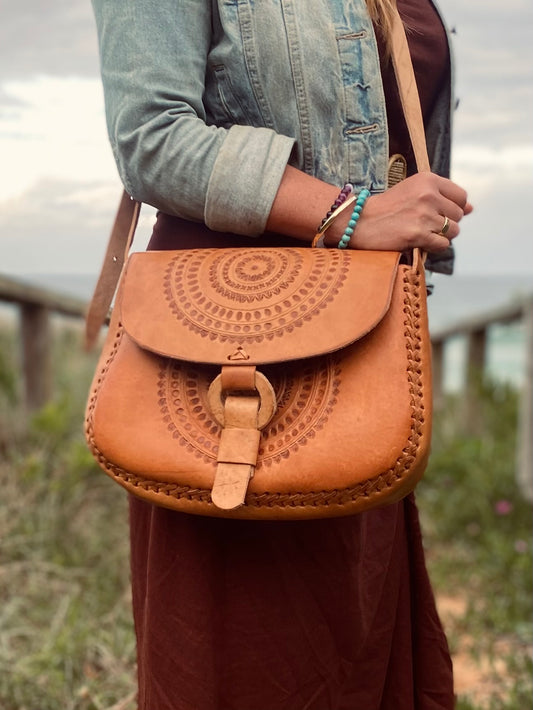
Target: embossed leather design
[[341, 336], [273, 304]]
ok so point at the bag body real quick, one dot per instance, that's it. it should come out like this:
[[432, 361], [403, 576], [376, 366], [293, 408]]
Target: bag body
[[267, 383]]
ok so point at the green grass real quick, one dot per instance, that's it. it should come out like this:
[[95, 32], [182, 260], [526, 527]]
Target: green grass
[[478, 536], [66, 636]]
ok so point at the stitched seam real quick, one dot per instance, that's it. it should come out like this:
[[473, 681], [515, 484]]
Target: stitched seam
[[250, 58], [291, 29], [311, 499]]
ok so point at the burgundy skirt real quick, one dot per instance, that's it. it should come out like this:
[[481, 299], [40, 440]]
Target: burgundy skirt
[[333, 614]]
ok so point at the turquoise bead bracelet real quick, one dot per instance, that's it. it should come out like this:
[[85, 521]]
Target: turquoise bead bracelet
[[358, 208]]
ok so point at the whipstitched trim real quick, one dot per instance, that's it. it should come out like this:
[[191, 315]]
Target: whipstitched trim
[[365, 489]]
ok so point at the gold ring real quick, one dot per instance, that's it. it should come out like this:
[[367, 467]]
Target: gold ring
[[445, 227]]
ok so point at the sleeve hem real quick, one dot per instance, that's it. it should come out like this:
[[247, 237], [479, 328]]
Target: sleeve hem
[[252, 161]]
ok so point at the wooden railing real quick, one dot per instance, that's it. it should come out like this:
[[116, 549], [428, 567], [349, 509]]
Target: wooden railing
[[37, 304], [475, 331]]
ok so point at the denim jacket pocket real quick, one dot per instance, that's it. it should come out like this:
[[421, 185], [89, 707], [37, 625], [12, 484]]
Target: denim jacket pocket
[[225, 107]]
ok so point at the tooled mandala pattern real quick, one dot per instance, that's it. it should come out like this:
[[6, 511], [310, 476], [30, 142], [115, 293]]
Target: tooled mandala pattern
[[305, 400], [251, 293]]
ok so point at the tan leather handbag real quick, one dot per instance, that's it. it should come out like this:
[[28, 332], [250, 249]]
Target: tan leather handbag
[[268, 383]]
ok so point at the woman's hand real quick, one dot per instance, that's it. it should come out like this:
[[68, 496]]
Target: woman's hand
[[411, 214]]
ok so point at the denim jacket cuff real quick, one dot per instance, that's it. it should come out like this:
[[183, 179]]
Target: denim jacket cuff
[[251, 160]]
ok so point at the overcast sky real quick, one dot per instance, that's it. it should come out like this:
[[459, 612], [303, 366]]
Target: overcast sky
[[58, 182]]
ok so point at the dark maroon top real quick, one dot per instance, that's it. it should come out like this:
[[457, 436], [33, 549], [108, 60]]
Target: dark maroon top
[[429, 53], [313, 615]]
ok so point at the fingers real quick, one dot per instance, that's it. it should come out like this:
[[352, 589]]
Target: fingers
[[454, 193], [441, 236], [451, 206], [445, 226], [449, 198], [446, 208], [437, 244], [423, 211]]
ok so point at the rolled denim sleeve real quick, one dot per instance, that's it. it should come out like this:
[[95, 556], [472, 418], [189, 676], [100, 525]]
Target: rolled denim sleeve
[[252, 162], [153, 56]]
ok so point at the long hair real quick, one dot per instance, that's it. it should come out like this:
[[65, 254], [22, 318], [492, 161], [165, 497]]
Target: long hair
[[381, 12]]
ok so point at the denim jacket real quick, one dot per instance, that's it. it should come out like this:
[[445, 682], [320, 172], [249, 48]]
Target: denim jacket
[[208, 100]]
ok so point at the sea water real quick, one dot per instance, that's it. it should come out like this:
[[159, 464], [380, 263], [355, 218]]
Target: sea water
[[505, 358], [458, 298]]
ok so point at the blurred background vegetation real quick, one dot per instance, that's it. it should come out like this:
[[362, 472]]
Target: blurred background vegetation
[[66, 636]]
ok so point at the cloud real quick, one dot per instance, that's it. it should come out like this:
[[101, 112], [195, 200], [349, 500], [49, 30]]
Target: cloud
[[53, 126], [62, 227], [482, 168], [56, 224], [494, 69], [57, 37], [496, 237], [59, 186], [493, 136]]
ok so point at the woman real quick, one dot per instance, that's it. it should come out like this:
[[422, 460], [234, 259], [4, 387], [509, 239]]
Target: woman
[[249, 116]]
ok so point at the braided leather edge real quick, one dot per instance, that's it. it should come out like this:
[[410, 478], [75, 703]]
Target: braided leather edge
[[364, 491]]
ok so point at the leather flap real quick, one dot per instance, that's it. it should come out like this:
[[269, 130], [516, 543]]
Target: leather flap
[[257, 305]]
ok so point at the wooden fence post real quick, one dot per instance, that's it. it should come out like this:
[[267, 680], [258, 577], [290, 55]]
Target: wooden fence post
[[437, 365], [36, 304], [524, 452], [475, 365], [36, 354]]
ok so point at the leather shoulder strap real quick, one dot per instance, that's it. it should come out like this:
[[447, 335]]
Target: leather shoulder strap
[[118, 247], [408, 90], [128, 211]]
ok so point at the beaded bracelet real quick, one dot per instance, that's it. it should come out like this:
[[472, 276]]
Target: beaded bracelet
[[343, 194], [359, 204], [318, 241]]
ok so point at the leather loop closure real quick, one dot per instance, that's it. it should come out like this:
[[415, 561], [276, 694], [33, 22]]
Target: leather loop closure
[[241, 377], [239, 441], [232, 380]]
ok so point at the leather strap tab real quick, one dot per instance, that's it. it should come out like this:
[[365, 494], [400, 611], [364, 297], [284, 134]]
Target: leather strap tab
[[237, 453], [239, 446], [231, 484], [241, 411]]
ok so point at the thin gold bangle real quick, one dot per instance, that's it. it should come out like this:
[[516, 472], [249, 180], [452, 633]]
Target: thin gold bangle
[[318, 240]]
